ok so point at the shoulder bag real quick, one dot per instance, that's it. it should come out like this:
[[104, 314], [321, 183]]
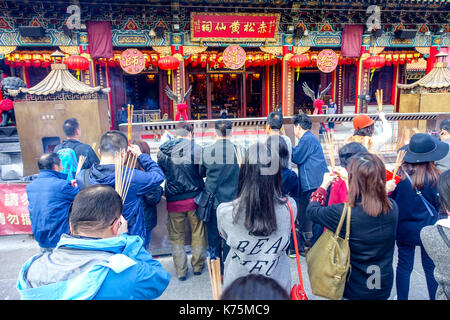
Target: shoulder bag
[[205, 200], [427, 204], [298, 290], [329, 261]]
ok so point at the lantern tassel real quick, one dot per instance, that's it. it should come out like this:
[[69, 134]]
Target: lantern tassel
[[169, 76], [298, 72], [371, 74]]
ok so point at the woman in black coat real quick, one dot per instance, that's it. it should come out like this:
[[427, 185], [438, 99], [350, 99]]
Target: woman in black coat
[[418, 202], [373, 226]]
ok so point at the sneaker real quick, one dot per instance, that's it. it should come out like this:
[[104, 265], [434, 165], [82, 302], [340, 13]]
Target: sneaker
[[183, 278], [197, 273], [291, 254]]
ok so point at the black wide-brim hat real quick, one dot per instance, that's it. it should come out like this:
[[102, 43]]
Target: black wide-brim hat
[[424, 148]]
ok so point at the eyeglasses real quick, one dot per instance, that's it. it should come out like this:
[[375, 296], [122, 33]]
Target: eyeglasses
[[120, 222]]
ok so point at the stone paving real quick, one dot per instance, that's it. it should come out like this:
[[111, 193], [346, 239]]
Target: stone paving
[[16, 249]]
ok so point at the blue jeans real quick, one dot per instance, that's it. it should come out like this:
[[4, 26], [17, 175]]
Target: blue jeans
[[217, 247], [405, 266], [148, 236]]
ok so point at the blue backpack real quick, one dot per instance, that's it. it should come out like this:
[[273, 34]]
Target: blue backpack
[[68, 162]]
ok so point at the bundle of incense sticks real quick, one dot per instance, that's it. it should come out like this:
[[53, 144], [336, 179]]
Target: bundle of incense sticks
[[329, 142], [379, 97], [215, 277], [398, 161], [124, 171], [81, 161], [130, 121]]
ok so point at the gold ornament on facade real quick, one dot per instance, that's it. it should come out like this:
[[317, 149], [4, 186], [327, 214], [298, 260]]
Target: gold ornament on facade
[[278, 50], [194, 49], [73, 50], [301, 50], [162, 50], [7, 49]]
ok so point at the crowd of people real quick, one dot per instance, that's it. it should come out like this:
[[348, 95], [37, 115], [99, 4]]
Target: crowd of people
[[84, 228]]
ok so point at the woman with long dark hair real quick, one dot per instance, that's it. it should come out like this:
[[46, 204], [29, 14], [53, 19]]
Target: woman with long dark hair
[[257, 225], [418, 202], [372, 227]]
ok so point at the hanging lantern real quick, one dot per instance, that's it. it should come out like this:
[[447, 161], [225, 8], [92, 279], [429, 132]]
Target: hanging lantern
[[169, 63], [203, 58], [36, 61], [298, 61], [314, 60], [77, 63], [373, 63], [147, 60], [27, 60]]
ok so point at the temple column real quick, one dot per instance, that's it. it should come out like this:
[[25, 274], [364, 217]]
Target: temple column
[[287, 83]]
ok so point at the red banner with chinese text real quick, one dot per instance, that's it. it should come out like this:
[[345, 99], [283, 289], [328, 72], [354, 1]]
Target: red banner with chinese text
[[14, 215], [234, 27]]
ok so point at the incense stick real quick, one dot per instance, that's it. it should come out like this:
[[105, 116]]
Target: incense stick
[[398, 161], [379, 97], [130, 167], [329, 142], [215, 277], [81, 161]]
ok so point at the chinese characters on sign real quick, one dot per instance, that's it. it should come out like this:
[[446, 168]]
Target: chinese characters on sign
[[234, 27], [234, 57], [132, 61], [327, 61], [14, 215]]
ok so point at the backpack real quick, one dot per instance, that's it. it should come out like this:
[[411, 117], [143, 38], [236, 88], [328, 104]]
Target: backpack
[[68, 162]]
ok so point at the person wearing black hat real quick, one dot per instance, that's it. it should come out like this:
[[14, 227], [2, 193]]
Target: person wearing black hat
[[418, 201]]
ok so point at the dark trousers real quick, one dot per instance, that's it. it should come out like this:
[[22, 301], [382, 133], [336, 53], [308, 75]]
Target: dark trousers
[[405, 266], [217, 248], [306, 225]]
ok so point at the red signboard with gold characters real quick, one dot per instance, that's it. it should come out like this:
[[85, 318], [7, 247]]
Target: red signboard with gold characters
[[132, 61], [234, 26], [327, 60], [14, 215]]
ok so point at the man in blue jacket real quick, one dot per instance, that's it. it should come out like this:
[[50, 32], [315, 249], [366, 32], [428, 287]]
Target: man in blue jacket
[[98, 260], [310, 160], [142, 182], [50, 197]]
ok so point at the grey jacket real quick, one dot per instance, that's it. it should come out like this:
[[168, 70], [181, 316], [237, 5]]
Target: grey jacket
[[439, 252], [257, 255], [444, 164]]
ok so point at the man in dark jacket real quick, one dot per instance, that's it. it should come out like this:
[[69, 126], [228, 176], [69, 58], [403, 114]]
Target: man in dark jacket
[[179, 159], [310, 160], [72, 130], [50, 197], [142, 182], [220, 166]]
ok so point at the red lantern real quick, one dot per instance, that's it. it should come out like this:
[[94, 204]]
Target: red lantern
[[77, 63], [169, 63], [374, 62], [298, 61]]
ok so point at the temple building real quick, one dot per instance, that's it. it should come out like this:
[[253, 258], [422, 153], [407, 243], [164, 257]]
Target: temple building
[[247, 57]]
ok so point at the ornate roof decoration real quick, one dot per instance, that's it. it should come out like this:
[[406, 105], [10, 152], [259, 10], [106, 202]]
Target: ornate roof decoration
[[60, 80], [439, 76]]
